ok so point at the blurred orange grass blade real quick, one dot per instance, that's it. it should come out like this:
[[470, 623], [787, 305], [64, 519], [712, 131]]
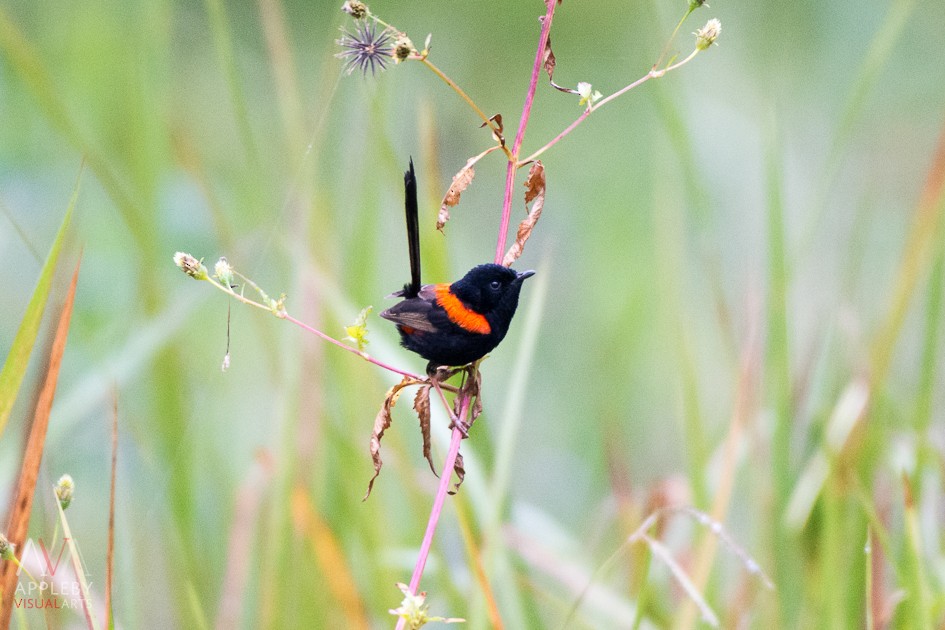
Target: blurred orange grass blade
[[917, 259], [20, 513], [745, 406], [330, 557], [243, 536], [474, 552]]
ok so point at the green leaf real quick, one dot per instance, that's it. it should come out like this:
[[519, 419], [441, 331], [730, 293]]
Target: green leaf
[[14, 367]]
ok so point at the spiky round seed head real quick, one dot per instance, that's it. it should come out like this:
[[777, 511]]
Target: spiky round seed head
[[403, 48], [365, 49], [191, 266], [355, 9]]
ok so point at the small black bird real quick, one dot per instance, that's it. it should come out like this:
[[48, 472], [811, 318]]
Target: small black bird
[[452, 324]]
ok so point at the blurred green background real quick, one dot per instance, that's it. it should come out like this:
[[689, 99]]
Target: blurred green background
[[721, 257]]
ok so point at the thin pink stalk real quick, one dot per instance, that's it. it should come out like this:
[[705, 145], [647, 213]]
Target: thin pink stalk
[[351, 349], [520, 134], [280, 313], [457, 436], [652, 74], [554, 141], [441, 491], [506, 211]]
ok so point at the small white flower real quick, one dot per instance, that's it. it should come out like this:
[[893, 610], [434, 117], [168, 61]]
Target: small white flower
[[588, 94], [707, 35]]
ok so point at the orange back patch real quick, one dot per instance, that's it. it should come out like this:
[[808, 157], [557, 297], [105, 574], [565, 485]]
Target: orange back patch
[[458, 313]]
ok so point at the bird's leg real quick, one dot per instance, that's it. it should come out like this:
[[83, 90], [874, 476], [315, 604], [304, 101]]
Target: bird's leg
[[435, 380]]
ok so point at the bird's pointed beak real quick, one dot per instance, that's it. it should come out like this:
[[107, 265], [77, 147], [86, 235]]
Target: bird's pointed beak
[[525, 274]]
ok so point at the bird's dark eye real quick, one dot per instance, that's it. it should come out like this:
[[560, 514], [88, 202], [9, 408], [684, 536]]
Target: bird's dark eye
[[495, 284]]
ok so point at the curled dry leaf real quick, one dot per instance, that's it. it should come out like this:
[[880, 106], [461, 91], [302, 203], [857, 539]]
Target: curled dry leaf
[[461, 182], [535, 195], [498, 130], [535, 183], [460, 472], [475, 390], [381, 423], [549, 62], [421, 404]]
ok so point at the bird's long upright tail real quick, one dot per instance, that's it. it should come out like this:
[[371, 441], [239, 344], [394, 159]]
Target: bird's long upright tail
[[412, 289]]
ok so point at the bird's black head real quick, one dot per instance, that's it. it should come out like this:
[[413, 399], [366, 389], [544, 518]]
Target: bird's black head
[[490, 288]]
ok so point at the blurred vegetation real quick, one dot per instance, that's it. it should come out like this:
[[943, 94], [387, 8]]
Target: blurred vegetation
[[738, 307]]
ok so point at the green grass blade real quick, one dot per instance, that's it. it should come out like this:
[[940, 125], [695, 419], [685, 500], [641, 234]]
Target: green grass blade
[[195, 604], [880, 50], [77, 567], [778, 382], [929, 362], [671, 248], [868, 582], [223, 39], [24, 61], [14, 367], [918, 604]]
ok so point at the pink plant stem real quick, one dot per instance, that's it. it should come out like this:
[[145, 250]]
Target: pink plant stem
[[363, 355], [457, 437], [587, 112], [554, 141], [445, 479], [520, 134], [652, 74], [506, 212]]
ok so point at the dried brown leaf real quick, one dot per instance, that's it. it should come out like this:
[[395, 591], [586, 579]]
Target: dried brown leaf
[[498, 131], [549, 62], [461, 182], [534, 194], [382, 422], [497, 119], [421, 404], [33, 455], [460, 472], [476, 410], [535, 183], [475, 390]]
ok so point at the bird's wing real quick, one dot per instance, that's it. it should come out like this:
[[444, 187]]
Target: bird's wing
[[414, 312]]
